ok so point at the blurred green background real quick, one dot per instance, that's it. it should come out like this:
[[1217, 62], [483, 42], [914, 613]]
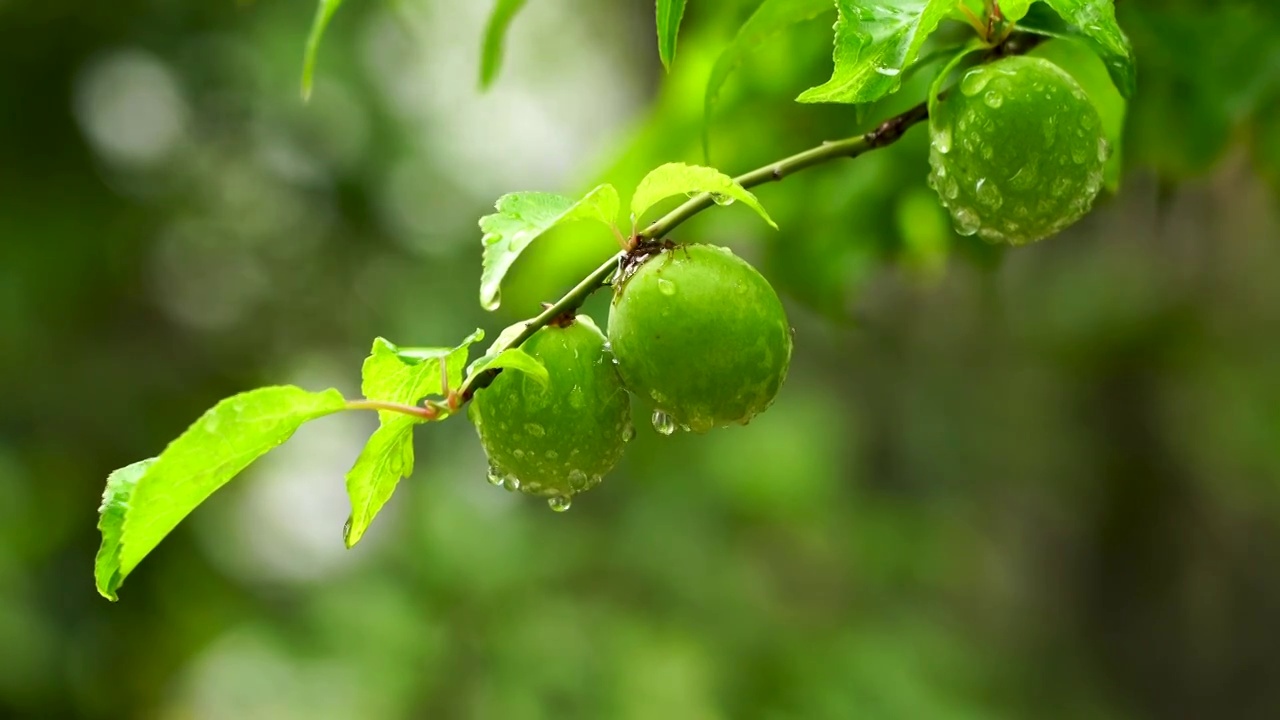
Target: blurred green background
[[1042, 483]]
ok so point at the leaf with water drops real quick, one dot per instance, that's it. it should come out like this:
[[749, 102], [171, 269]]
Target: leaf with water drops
[[324, 13], [145, 501], [1095, 22], [395, 375], [522, 218], [495, 34], [681, 179], [770, 18], [875, 43]]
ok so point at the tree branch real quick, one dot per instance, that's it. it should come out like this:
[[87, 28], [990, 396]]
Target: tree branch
[[885, 134]]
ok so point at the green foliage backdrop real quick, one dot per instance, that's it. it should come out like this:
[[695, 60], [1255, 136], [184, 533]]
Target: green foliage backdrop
[[1036, 483]]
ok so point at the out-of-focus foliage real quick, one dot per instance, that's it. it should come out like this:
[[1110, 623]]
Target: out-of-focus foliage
[[1042, 483]]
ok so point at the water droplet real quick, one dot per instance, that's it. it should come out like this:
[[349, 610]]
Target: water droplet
[[608, 346], [1104, 150], [988, 152], [942, 139], [951, 188], [967, 222], [663, 423], [494, 476], [888, 71], [666, 287], [628, 432], [975, 81], [511, 484], [535, 429], [1079, 154], [560, 503], [518, 453], [991, 235], [993, 99], [1088, 121], [346, 527], [553, 455], [988, 194], [721, 199]]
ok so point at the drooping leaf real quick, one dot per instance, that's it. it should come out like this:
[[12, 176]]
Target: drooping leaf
[[771, 17], [875, 42], [145, 501], [522, 218], [404, 377], [1095, 20], [681, 179], [669, 12], [324, 13], [495, 34], [1014, 10], [115, 505], [513, 359]]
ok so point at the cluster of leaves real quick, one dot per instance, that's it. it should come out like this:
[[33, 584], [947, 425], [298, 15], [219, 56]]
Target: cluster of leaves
[[877, 44]]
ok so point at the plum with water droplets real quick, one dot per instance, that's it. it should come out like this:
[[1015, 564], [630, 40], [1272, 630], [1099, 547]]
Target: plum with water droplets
[[560, 439], [1017, 151], [701, 335]]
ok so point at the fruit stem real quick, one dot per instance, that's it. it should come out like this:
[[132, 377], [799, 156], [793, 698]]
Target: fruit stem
[[424, 413], [571, 301]]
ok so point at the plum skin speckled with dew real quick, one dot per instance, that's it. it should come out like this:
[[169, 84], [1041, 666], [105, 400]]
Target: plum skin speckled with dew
[[559, 440], [700, 334], [1017, 151]]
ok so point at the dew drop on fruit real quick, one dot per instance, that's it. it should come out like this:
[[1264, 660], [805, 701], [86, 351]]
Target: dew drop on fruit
[[967, 222], [553, 455], [942, 139], [511, 484], [535, 429], [577, 480], [993, 99], [560, 503], [1104, 150], [628, 433], [494, 477], [666, 287], [974, 81], [663, 423], [518, 453], [989, 195]]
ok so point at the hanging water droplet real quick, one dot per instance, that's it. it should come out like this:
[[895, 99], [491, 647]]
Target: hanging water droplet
[[560, 503], [721, 199], [666, 287], [346, 528], [494, 476], [663, 423], [967, 222], [628, 432], [512, 484]]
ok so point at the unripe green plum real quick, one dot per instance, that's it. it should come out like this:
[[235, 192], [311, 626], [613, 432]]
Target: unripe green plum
[[702, 335], [559, 439], [1017, 151]]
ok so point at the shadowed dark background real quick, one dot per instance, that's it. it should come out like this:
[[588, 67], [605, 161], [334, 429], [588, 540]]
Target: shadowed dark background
[[1036, 483]]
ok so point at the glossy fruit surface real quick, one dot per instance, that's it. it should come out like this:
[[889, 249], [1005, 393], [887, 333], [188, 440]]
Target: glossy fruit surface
[[701, 334], [1017, 151], [562, 438]]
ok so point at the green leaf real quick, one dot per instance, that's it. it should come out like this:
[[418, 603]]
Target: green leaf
[[1014, 10], [680, 179], [115, 505], [1095, 20], [513, 359], [324, 13], [770, 18], [145, 501], [393, 375], [670, 12], [495, 34], [524, 217], [875, 43]]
